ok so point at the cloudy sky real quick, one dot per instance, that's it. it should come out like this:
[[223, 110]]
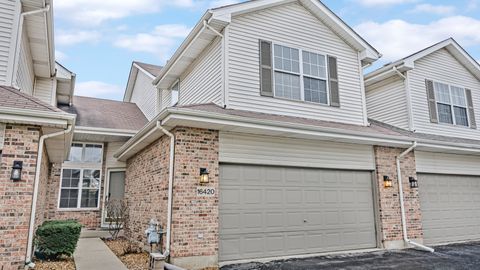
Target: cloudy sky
[[98, 40]]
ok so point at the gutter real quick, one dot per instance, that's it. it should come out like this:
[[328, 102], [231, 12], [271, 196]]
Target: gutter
[[159, 126], [402, 206], [28, 258]]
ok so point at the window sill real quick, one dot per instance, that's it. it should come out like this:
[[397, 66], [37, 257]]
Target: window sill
[[77, 209], [304, 102]]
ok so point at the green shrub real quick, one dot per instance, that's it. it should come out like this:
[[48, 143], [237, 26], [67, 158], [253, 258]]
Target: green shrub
[[57, 237]]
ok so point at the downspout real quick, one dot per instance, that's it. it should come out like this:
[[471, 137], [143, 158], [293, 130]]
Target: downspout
[[28, 259], [402, 206], [159, 126], [20, 35]]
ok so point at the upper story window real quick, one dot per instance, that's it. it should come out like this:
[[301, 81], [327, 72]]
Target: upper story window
[[175, 91], [451, 104], [300, 75], [81, 177]]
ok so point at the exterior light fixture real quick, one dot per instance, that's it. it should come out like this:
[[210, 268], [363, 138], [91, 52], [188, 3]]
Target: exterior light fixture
[[413, 182], [387, 182], [204, 176], [16, 171]]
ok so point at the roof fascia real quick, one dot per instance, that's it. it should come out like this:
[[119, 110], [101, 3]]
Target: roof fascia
[[132, 78], [150, 75], [54, 119]]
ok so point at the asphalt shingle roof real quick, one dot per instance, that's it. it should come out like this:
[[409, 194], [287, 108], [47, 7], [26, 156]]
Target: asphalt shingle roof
[[104, 113], [13, 98], [152, 69]]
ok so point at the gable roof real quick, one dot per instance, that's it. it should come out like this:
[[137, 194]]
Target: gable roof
[[149, 70], [104, 113], [15, 99], [215, 20], [408, 63]]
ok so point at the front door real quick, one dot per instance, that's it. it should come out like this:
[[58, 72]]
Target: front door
[[115, 190]]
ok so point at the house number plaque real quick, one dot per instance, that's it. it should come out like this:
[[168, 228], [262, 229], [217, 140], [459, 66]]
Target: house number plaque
[[205, 192]]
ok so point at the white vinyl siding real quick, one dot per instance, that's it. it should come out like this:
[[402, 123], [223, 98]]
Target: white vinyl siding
[[443, 163], [290, 25], [202, 82], [144, 94], [43, 89], [110, 161], [166, 97], [25, 75], [8, 11], [441, 66], [277, 151], [387, 102]]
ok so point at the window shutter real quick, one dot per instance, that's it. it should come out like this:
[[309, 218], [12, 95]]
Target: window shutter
[[432, 104], [266, 70], [333, 82], [471, 111]]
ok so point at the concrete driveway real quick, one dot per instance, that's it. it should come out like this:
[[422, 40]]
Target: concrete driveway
[[455, 256]]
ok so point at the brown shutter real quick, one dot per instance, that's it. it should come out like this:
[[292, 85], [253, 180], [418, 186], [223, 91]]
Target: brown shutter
[[471, 111], [266, 70], [333, 82], [432, 104]]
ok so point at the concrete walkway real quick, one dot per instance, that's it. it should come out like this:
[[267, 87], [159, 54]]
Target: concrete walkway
[[93, 254]]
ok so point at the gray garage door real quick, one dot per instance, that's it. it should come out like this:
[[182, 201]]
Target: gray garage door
[[275, 211], [450, 207]]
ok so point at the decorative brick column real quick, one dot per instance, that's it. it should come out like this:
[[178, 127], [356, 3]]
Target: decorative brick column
[[388, 199], [21, 143]]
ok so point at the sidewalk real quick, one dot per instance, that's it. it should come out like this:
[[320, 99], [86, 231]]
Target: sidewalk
[[93, 254]]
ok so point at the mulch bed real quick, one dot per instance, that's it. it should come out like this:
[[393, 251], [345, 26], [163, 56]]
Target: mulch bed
[[62, 264], [131, 255]]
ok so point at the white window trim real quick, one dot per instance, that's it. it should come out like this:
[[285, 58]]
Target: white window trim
[[81, 166], [177, 82], [300, 74], [454, 120]]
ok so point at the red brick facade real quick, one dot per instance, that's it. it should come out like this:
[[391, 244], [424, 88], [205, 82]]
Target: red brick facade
[[388, 201], [20, 143], [195, 219]]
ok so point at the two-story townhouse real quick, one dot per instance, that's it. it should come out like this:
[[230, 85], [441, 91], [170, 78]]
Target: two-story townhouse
[[36, 136], [433, 97], [268, 151]]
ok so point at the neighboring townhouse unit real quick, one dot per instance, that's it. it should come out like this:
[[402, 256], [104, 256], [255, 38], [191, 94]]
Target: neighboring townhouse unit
[[434, 96], [43, 175]]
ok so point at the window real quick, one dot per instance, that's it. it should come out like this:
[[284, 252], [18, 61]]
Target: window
[[175, 92], [451, 104], [81, 177], [300, 78]]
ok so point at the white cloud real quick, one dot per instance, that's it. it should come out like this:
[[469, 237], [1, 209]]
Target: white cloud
[[384, 2], [434, 9], [221, 3], [75, 37], [397, 38], [97, 89], [160, 42], [60, 56]]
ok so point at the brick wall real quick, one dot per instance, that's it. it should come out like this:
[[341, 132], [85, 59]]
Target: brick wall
[[388, 199], [21, 143], [42, 202], [90, 219], [195, 219]]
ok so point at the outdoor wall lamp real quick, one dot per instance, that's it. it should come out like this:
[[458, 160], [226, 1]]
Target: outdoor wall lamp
[[387, 182], [16, 171], [413, 182], [204, 176]]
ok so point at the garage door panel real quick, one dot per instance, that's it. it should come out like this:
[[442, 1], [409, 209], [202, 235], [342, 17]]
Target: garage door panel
[[293, 211], [450, 209]]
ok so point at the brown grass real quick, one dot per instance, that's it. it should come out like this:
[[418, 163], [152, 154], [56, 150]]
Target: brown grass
[[131, 255], [62, 264]]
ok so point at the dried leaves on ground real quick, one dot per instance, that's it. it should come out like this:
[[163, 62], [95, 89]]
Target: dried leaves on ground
[[64, 264], [130, 254]]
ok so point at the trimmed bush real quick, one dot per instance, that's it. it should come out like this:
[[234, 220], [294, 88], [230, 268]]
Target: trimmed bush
[[57, 237]]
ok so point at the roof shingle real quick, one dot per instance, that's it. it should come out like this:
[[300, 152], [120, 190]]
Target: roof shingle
[[13, 98], [104, 113], [152, 69]]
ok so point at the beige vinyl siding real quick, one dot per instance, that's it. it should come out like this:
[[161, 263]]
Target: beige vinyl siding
[[290, 25], [110, 161], [277, 151], [8, 11], [43, 89], [202, 83], [443, 163], [25, 75], [387, 102], [144, 94], [443, 67]]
